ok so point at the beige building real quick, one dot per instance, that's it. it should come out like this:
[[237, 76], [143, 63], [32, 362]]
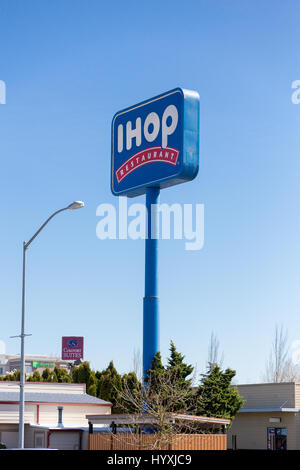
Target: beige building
[[11, 362], [269, 419]]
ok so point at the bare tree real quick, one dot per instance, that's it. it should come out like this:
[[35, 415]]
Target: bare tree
[[280, 367], [291, 371], [214, 357], [164, 405]]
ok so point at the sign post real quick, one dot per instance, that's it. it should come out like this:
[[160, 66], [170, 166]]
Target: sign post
[[155, 144], [151, 307]]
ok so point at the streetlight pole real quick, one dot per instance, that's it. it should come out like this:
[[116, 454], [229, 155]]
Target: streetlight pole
[[74, 205], [22, 365]]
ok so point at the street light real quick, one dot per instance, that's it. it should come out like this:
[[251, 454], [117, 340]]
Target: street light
[[73, 206], [76, 205]]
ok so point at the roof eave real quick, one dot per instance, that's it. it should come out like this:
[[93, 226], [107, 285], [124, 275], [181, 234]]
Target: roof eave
[[269, 410]]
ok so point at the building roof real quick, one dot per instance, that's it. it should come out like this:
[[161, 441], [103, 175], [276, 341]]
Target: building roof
[[266, 383], [149, 419], [35, 357], [269, 410], [61, 398]]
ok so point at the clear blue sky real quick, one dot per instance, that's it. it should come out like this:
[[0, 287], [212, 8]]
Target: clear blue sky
[[68, 67]]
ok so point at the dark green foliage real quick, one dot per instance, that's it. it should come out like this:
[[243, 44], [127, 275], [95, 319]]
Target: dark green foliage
[[35, 377], [49, 375], [56, 375], [180, 368], [92, 390], [215, 395], [62, 375], [109, 386], [175, 374], [11, 377], [131, 384], [132, 381], [84, 374], [154, 374], [46, 374], [179, 373], [92, 385]]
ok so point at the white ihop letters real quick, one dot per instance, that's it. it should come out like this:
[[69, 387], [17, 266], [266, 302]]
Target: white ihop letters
[[150, 127]]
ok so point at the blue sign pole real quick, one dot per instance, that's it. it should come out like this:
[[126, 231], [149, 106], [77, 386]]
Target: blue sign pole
[[151, 308]]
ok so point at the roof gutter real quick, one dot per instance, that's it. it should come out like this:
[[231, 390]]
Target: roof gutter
[[269, 410]]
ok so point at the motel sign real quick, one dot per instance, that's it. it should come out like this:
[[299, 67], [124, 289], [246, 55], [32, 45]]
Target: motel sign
[[72, 348]]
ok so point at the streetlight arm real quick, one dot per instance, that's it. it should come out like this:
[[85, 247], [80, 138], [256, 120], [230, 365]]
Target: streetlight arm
[[26, 245]]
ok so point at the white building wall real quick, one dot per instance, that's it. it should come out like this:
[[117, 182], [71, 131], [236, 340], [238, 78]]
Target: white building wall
[[9, 414], [73, 415]]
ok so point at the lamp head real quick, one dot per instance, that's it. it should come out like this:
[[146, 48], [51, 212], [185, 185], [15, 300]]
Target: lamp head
[[76, 205]]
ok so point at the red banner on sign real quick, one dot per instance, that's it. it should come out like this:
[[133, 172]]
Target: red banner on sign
[[72, 348], [153, 154]]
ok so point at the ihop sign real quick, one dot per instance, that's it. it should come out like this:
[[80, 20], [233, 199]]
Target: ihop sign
[[155, 143]]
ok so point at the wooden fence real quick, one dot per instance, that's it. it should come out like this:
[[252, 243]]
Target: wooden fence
[[148, 441]]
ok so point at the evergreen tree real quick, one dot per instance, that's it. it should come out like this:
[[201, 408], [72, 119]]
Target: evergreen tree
[[131, 381], [156, 371], [46, 375], [179, 369], [179, 373], [84, 374], [109, 386], [173, 375], [92, 384], [62, 375], [12, 376], [52, 377], [81, 373], [132, 385], [35, 377], [216, 397]]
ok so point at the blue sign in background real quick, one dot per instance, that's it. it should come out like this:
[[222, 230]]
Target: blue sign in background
[[158, 169]]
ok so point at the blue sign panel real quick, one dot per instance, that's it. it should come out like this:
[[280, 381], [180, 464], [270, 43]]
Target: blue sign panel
[[155, 143]]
